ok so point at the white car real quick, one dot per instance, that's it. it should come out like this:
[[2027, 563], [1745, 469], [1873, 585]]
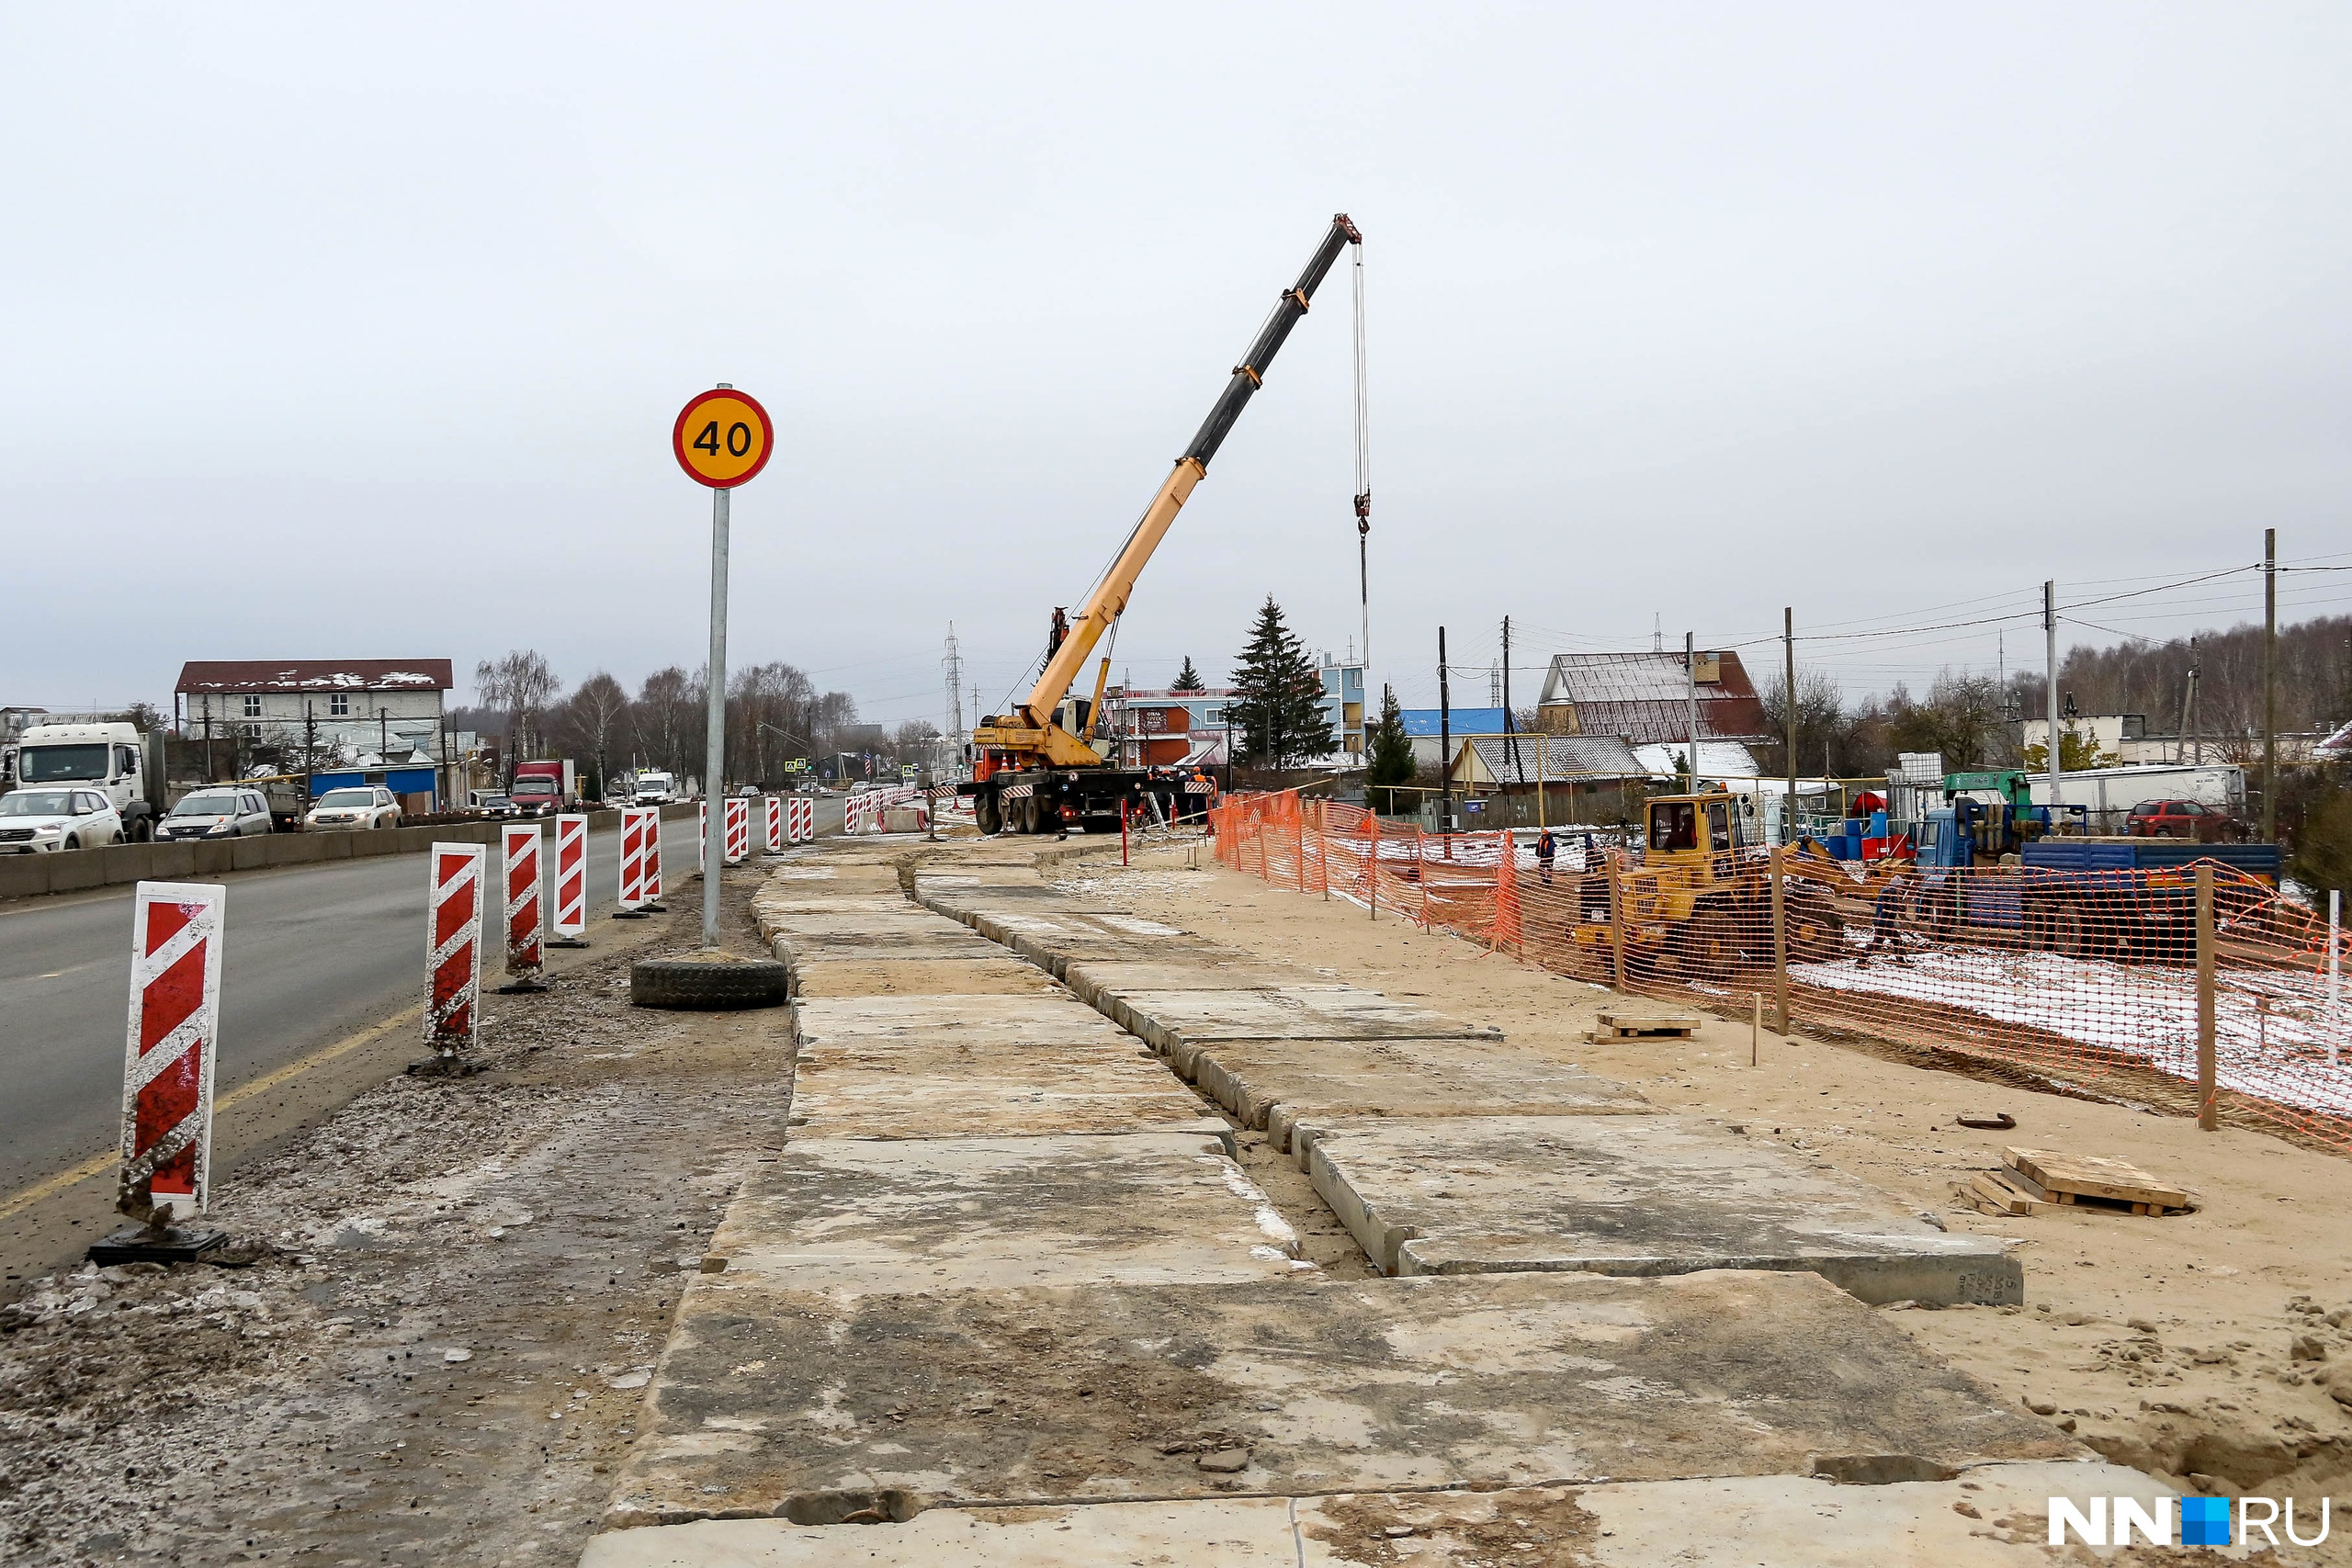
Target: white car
[[215, 813], [353, 808], [33, 820]]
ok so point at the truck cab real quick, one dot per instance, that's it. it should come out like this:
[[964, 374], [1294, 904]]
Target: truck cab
[[114, 758]]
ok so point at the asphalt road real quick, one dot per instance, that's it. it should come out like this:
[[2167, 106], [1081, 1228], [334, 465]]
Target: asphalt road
[[315, 953]]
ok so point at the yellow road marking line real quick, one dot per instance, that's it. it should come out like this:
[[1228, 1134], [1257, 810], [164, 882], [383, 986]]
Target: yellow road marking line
[[97, 1164]]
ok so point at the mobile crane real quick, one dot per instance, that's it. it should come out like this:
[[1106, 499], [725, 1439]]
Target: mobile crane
[[1035, 770]]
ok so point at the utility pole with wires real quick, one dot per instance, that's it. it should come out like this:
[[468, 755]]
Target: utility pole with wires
[[2270, 685], [1690, 683], [1788, 674], [1363, 467], [1510, 722], [2050, 656]]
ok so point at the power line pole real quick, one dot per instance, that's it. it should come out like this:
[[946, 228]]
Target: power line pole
[[1444, 739], [1511, 721], [2050, 655], [1789, 674], [1690, 684], [2270, 685]]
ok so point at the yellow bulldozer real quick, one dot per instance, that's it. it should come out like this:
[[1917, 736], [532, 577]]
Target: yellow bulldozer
[[1700, 904]]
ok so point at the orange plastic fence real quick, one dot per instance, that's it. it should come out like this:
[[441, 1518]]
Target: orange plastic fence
[[2078, 974]]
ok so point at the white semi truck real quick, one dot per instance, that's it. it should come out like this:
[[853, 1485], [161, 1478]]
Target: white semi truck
[[114, 758]]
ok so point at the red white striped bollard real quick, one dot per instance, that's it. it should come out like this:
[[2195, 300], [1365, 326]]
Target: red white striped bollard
[[738, 848], [453, 953], [524, 962], [634, 866], [571, 881], [1123, 832], [800, 817], [702, 832], [771, 824], [168, 1055], [653, 862]]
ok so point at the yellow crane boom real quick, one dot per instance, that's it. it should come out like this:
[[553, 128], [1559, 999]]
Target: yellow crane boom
[[1030, 734]]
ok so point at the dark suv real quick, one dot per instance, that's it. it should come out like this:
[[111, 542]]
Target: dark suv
[[2182, 820]]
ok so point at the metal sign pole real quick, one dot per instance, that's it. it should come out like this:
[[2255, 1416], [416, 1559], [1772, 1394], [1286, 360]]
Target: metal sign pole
[[713, 839]]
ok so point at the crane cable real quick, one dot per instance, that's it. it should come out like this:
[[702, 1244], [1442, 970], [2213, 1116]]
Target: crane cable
[[1364, 471]]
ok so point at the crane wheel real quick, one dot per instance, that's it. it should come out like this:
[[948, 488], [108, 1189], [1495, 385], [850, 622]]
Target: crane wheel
[[1714, 947], [987, 815]]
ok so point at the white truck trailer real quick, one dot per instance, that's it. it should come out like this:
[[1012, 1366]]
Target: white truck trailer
[[114, 758]]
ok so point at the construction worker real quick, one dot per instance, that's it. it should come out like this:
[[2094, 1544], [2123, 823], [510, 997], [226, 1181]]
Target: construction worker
[[1546, 851]]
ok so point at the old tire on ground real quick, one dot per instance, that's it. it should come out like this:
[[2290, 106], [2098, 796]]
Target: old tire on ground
[[703, 986]]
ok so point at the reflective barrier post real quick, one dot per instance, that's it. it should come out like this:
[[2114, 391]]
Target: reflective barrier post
[[2208, 1113], [169, 1051], [739, 831], [652, 904], [453, 953], [640, 825], [571, 881], [771, 824], [521, 909]]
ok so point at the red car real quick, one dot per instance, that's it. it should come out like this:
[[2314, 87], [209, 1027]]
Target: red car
[[2182, 820]]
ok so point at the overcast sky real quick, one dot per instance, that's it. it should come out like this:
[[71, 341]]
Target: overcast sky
[[333, 331]]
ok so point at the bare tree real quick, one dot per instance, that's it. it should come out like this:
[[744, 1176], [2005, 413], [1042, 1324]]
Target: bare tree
[[666, 722], [521, 687], [590, 723]]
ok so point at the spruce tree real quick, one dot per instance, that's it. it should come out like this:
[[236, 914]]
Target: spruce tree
[[1391, 753], [1188, 679], [1277, 700]]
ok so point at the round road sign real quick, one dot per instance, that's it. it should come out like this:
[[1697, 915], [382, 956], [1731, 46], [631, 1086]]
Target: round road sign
[[722, 438]]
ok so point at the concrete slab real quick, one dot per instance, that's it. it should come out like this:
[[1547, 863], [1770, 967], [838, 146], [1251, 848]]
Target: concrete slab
[[1006, 921], [948, 1085], [1323, 1080], [1178, 1023], [1086, 980], [884, 919], [984, 1023], [924, 944], [1055, 952], [992, 972], [778, 1402], [1734, 1522], [844, 1217], [1633, 1195], [1238, 1532]]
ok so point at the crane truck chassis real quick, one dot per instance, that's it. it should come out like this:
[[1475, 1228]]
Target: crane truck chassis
[[1034, 770]]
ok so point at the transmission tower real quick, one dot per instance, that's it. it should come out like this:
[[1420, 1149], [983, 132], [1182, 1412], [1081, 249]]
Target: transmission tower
[[953, 664]]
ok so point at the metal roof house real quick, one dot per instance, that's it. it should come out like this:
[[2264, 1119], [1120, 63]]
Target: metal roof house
[[1645, 700]]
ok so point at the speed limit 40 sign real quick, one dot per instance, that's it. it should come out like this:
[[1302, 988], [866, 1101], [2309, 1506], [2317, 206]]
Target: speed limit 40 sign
[[722, 438]]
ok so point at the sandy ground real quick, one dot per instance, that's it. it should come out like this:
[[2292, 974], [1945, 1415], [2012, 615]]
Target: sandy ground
[[2199, 1347], [455, 1292]]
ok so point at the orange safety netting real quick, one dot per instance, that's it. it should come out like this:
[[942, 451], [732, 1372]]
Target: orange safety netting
[[2080, 975]]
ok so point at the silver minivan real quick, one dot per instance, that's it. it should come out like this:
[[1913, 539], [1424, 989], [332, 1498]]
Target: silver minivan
[[216, 813]]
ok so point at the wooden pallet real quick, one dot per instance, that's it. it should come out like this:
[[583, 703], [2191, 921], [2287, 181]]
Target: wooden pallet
[[2090, 1180], [1612, 1025], [1997, 1193]]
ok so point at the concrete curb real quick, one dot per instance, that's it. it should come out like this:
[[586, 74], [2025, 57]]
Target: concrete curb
[[28, 877]]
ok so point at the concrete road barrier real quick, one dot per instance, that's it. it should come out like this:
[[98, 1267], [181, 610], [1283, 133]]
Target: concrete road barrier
[[73, 871]]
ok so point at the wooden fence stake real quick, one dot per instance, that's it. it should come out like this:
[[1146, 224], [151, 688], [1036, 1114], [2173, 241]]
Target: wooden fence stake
[[2209, 1113]]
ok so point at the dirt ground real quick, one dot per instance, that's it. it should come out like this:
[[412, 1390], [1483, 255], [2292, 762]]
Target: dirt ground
[[453, 1291], [2200, 1347]]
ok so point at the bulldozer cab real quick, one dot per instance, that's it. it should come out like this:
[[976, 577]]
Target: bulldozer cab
[[1692, 829]]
